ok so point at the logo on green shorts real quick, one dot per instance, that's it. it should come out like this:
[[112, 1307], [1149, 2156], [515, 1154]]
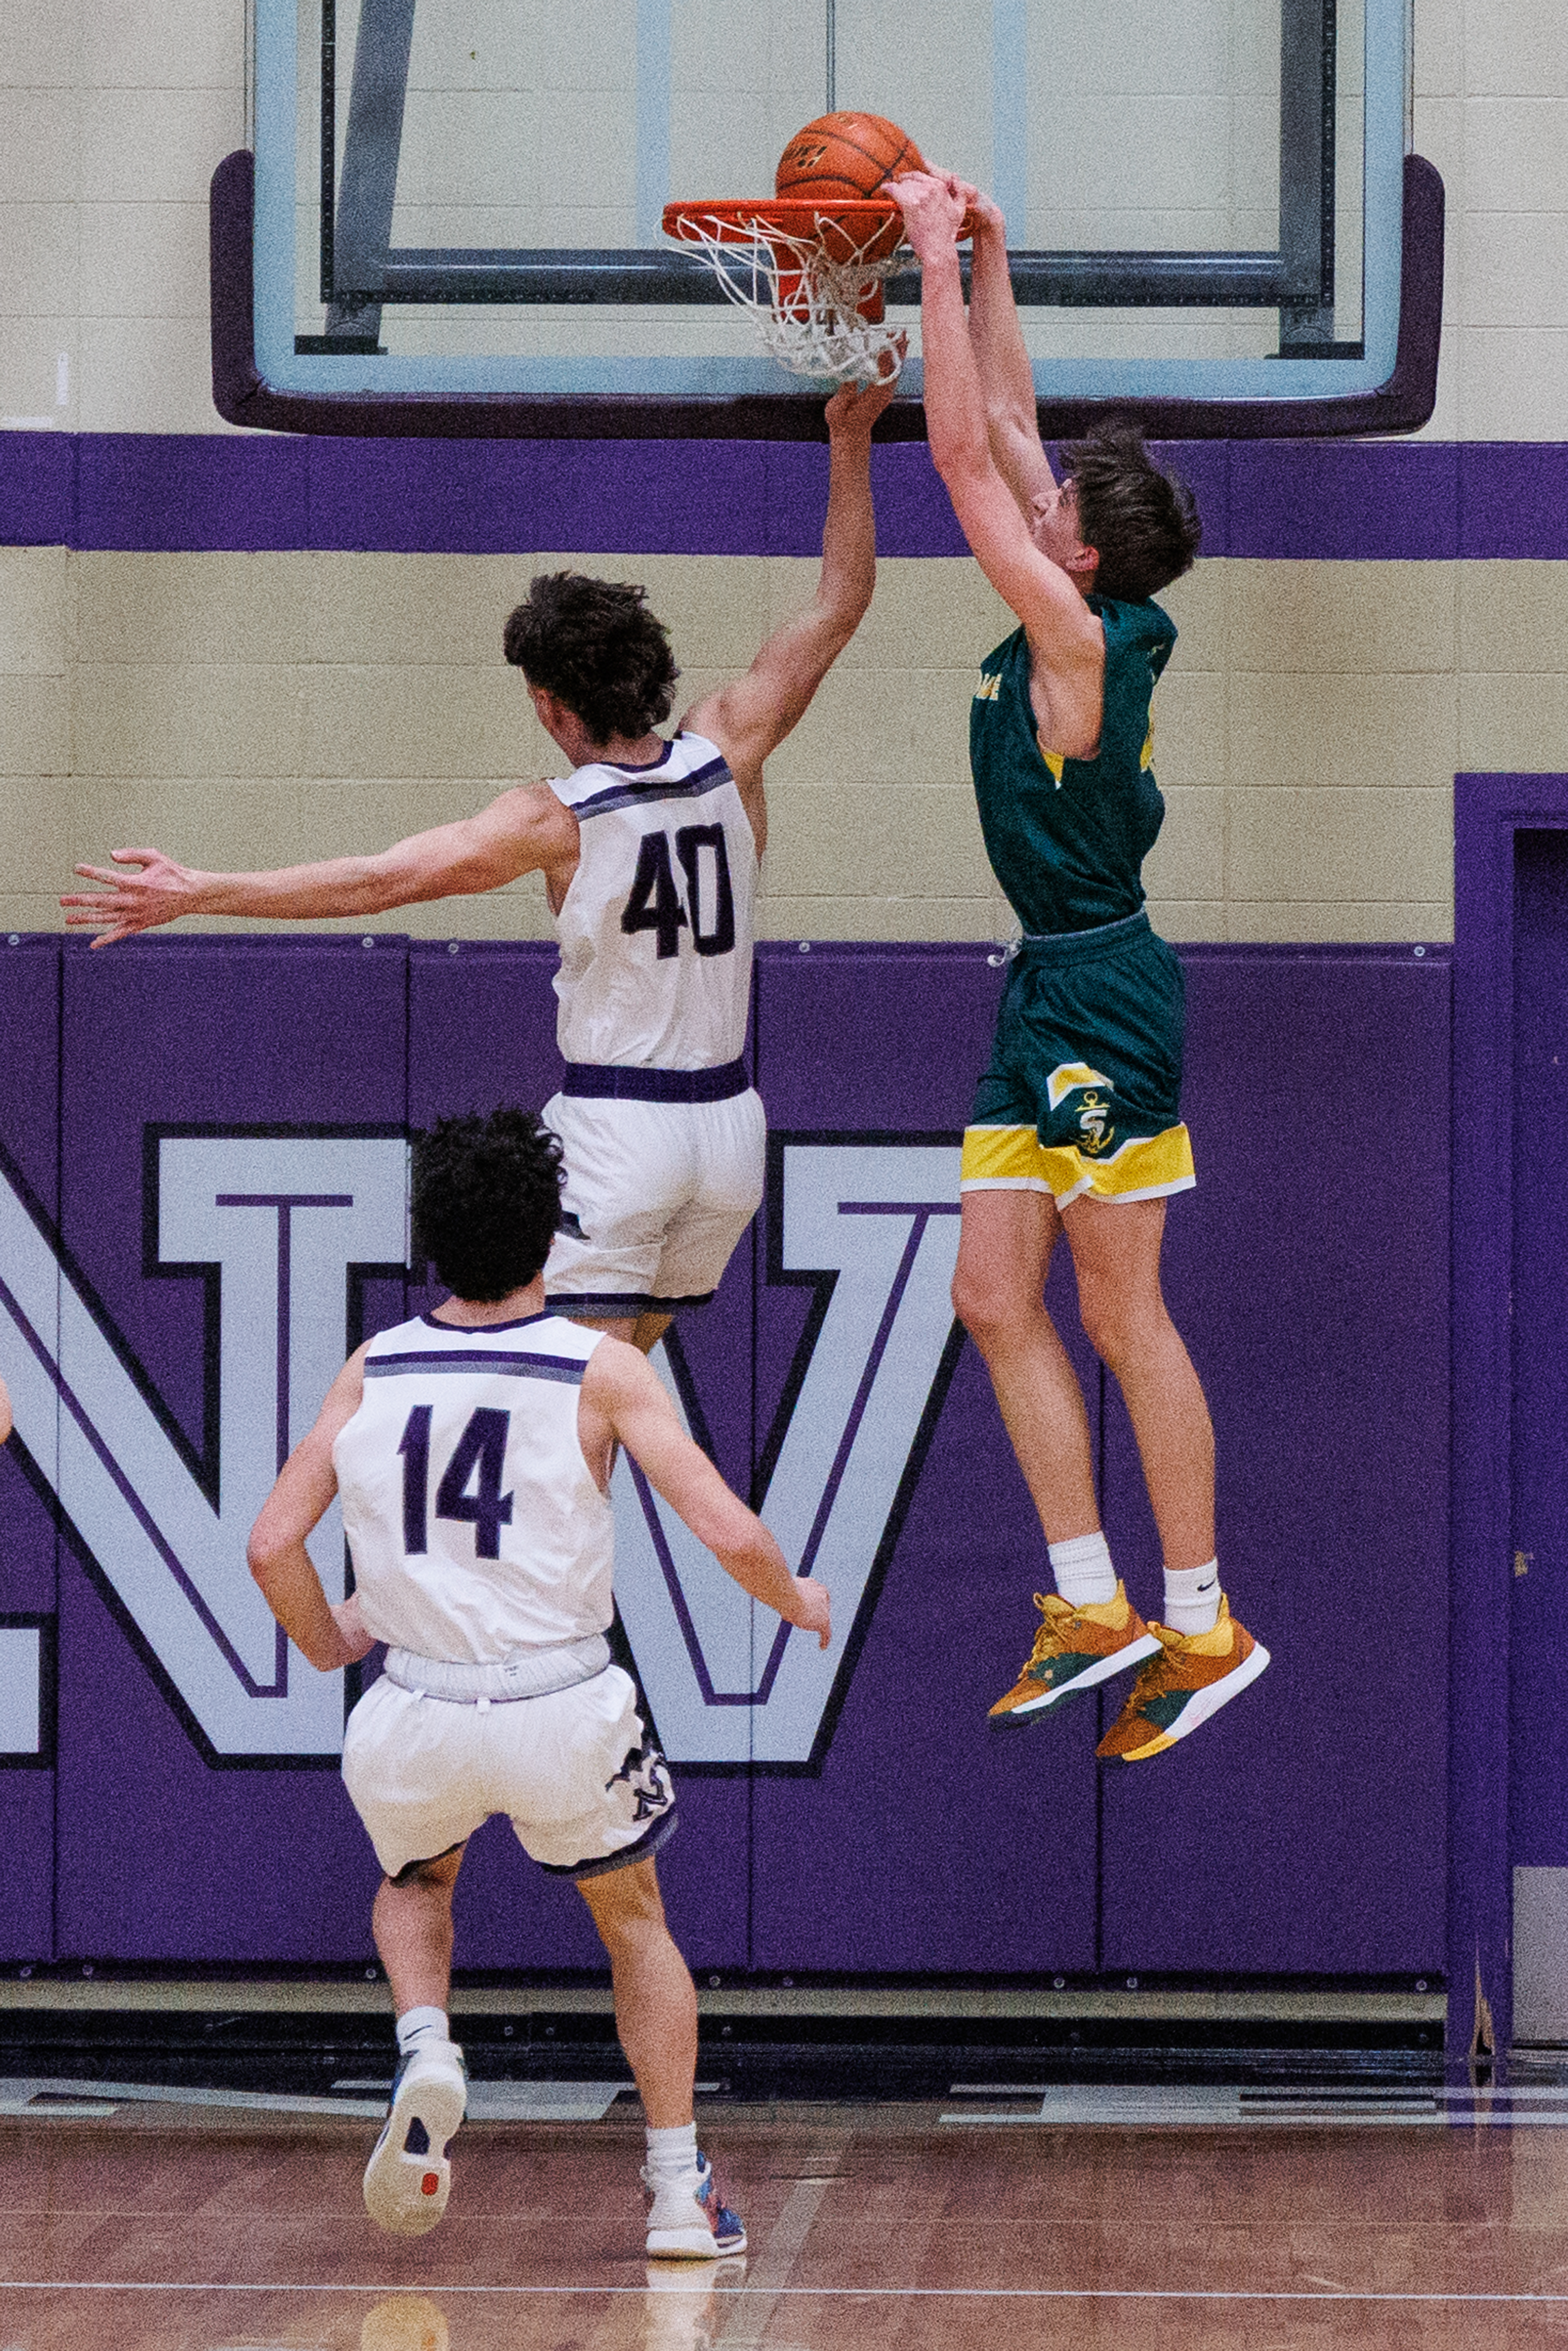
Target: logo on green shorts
[[1096, 1131]]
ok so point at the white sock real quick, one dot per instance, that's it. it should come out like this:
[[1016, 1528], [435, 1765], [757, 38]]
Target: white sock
[[672, 2152], [417, 2026], [1192, 1598], [1083, 1570]]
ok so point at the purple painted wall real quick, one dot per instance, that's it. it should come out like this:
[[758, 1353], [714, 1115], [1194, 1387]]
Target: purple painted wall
[[1538, 1727], [1309, 1270], [1505, 1777]]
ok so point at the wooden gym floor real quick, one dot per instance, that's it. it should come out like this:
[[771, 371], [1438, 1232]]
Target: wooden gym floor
[[182, 2229]]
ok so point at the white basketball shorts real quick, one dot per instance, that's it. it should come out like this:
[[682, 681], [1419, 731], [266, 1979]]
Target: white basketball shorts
[[576, 1773], [656, 1197]]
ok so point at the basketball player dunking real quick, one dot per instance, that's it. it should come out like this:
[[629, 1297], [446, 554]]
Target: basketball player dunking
[[1076, 1127], [649, 850], [472, 1449]]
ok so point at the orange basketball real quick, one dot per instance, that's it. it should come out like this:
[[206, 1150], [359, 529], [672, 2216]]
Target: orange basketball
[[841, 156]]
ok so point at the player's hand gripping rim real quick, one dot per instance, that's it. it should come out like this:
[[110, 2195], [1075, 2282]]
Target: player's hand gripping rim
[[933, 208], [982, 209]]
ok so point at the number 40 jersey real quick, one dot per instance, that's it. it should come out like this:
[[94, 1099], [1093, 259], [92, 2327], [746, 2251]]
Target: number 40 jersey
[[656, 929], [473, 1521]]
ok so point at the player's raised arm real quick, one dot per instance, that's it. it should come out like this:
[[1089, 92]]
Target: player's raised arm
[[1066, 640], [749, 718], [524, 830], [5, 1412], [1006, 379], [329, 1635], [624, 1402]]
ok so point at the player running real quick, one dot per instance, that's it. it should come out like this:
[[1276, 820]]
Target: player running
[[649, 850], [472, 1449], [1076, 1126]]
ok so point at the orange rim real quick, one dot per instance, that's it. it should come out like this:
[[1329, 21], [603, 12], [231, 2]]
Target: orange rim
[[859, 219]]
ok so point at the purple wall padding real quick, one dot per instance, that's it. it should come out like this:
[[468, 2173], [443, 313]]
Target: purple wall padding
[[29, 1091], [29, 1564], [161, 1855], [915, 1847], [1308, 1273]]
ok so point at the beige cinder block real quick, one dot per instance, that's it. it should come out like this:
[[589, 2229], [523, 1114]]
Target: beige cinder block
[[32, 611], [264, 709], [1343, 843], [1369, 618], [1368, 732]]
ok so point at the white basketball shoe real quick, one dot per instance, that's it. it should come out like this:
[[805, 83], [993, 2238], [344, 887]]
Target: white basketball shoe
[[408, 2178], [686, 2222]]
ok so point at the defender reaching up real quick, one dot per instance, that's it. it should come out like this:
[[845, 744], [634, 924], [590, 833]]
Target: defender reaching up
[[649, 850], [1077, 1124]]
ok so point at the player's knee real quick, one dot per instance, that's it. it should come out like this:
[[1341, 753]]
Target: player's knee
[[1119, 1328], [987, 1306]]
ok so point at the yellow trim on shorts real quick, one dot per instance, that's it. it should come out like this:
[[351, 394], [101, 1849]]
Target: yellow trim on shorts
[[1014, 1159]]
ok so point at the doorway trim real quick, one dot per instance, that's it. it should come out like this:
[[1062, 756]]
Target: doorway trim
[[1490, 813]]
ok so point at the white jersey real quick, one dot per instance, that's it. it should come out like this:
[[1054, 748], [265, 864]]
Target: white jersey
[[656, 929], [475, 1523]]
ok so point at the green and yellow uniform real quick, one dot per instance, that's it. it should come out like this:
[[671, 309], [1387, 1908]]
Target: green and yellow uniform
[[1082, 1093]]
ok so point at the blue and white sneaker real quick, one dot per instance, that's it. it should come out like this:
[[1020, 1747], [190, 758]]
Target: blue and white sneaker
[[686, 2222], [408, 2178]]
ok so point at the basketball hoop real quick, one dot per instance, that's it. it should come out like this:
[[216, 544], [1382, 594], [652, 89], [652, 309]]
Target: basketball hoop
[[811, 274]]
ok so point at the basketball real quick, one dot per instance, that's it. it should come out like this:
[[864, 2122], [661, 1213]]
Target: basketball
[[841, 156]]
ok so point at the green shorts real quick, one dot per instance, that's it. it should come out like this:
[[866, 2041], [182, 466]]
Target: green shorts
[[1083, 1090]]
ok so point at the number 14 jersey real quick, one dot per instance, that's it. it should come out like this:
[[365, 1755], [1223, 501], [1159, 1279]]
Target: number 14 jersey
[[473, 1521], [656, 929]]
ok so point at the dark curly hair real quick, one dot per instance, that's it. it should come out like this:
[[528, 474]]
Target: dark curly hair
[[594, 644], [1142, 524], [486, 1201]]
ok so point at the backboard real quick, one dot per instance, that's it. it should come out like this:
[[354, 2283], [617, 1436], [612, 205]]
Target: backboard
[[460, 199]]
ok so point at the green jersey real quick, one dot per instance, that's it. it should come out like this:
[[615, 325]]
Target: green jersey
[[1066, 837]]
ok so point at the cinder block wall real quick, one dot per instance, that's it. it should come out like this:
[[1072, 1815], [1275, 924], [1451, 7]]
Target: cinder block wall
[[254, 709]]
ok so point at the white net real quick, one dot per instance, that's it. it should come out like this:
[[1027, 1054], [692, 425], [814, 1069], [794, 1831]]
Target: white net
[[818, 313]]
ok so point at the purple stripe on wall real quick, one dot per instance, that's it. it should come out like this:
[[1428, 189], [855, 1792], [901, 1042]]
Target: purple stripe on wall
[[1347, 501], [38, 489], [1305, 500], [168, 492], [1513, 498]]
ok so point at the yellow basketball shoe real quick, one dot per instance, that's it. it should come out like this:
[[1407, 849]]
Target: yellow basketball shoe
[[1074, 1649], [1193, 1676]]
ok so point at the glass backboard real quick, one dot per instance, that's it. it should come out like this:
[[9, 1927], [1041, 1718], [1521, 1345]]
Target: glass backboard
[[457, 197]]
